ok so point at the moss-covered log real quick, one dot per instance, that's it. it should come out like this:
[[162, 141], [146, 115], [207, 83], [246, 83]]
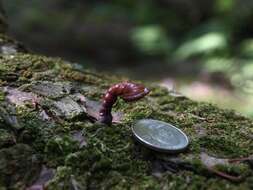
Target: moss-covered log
[[48, 137]]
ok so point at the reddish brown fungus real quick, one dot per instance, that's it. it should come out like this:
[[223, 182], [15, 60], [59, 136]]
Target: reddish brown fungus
[[127, 91]]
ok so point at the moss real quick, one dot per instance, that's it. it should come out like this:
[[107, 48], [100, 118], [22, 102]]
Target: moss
[[6, 138], [2, 95], [24, 66], [242, 170], [137, 111], [158, 91], [61, 180], [109, 151], [36, 132], [57, 148], [188, 180], [69, 74], [223, 146], [19, 166], [112, 159]]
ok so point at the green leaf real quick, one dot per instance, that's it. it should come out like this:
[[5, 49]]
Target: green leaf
[[150, 40], [203, 44]]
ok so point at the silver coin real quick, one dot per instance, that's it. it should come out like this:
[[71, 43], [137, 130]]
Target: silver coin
[[160, 136]]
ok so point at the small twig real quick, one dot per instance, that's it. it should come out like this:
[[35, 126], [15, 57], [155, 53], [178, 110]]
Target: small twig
[[225, 175], [197, 117], [234, 160]]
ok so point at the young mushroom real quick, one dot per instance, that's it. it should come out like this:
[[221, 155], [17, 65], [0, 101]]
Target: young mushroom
[[128, 91]]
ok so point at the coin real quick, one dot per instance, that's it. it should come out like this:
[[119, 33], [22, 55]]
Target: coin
[[160, 136]]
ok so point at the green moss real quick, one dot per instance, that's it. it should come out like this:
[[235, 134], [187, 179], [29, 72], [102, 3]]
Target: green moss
[[6, 138], [158, 91], [57, 148], [242, 170], [19, 166], [112, 159], [223, 146], [22, 67], [109, 151], [36, 132], [137, 111], [62, 179], [2, 95]]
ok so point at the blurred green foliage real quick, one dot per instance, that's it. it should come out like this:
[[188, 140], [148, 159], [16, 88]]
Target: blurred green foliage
[[151, 40], [202, 45], [246, 48], [212, 36]]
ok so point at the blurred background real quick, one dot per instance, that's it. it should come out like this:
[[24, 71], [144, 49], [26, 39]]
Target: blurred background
[[201, 48]]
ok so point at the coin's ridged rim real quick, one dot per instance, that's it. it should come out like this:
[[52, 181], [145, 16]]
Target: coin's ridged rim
[[155, 147]]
